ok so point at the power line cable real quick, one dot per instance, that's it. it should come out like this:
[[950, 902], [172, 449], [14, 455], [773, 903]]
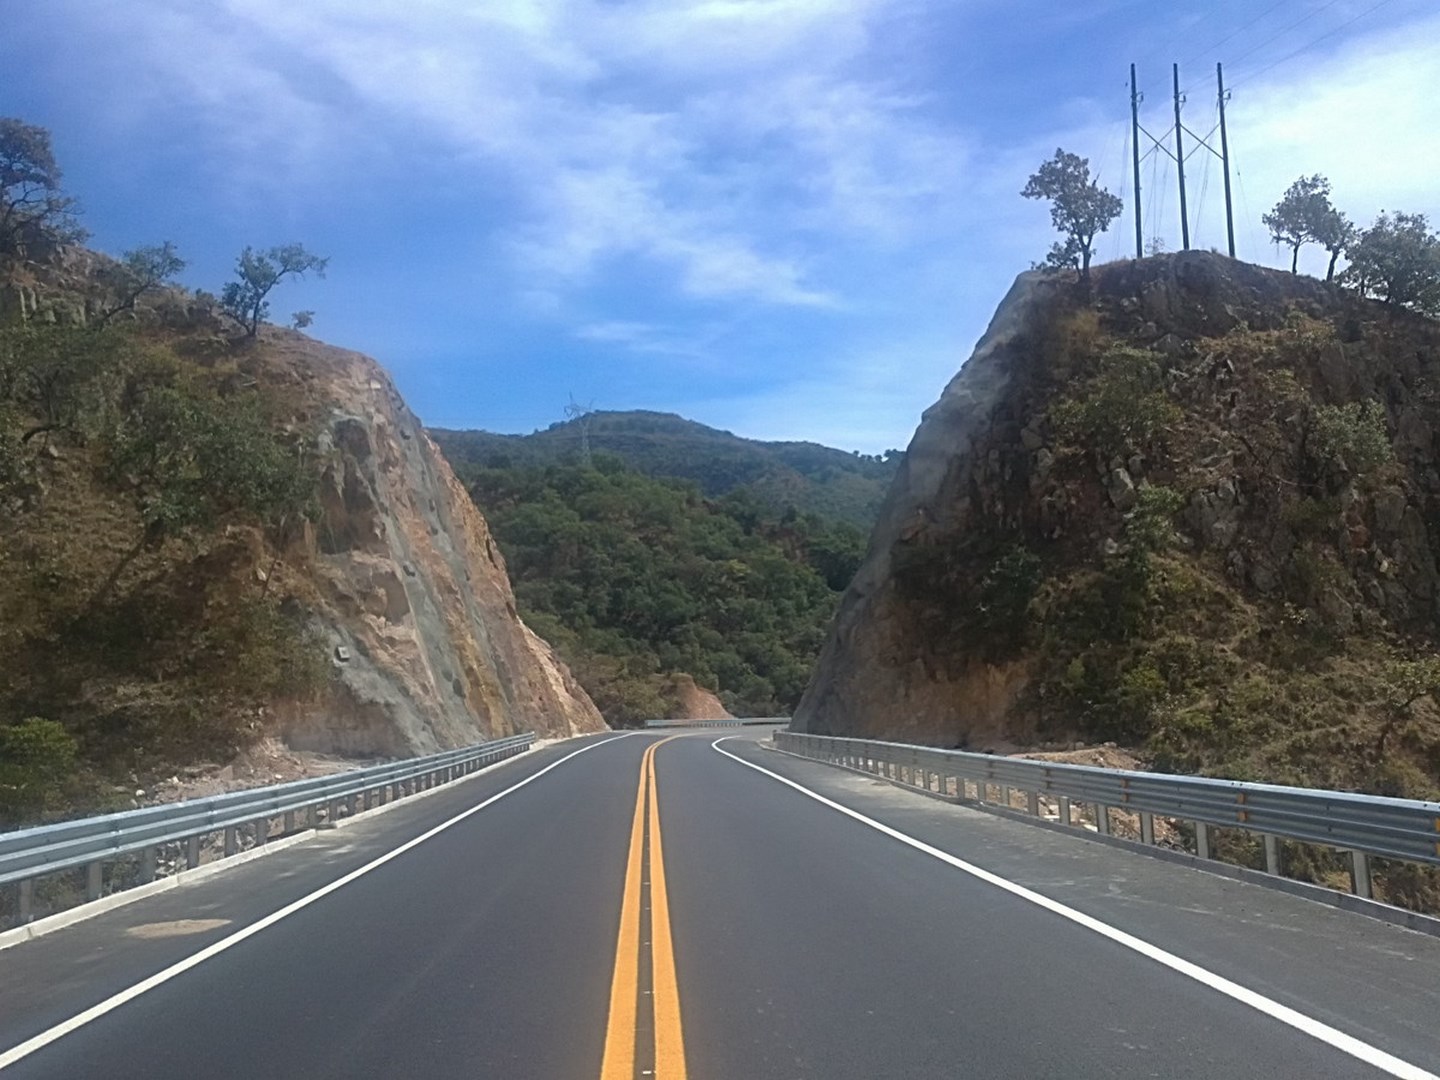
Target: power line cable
[[1200, 203], [1291, 26], [1160, 190], [1245, 206], [1311, 44], [1124, 187], [1234, 33]]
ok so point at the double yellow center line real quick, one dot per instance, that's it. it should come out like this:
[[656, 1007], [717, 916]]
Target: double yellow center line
[[626, 1015]]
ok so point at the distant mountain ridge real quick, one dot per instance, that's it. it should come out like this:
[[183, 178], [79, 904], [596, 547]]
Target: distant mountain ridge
[[814, 479]]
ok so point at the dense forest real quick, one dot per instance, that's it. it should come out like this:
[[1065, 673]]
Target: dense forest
[[634, 577], [811, 478]]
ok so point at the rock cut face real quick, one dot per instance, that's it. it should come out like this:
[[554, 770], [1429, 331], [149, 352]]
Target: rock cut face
[[412, 593], [870, 680]]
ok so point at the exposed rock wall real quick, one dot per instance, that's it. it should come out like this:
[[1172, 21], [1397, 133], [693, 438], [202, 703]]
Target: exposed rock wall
[[409, 586], [869, 680], [694, 702]]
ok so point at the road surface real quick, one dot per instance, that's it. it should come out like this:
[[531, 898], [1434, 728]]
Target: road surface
[[700, 906]]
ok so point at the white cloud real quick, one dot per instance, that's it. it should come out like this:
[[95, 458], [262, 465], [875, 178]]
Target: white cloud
[[691, 343], [702, 136]]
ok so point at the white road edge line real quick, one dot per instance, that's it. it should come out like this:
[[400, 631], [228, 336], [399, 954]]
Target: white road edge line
[[1348, 1044], [79, 1020]]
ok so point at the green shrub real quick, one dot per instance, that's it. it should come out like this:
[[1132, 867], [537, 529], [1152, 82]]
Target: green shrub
[[37, 761], [1121, 410], [1000, 619], [1350, 438]]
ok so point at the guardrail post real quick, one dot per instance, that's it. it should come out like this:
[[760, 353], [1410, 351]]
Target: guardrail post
[[1064, 810], [1272, 854], [1360, 874], [1005, 796], [1033, 799], [192, 852], [350, 804], [27, 901], [1102, 819], [1147, 828], [94, 881], [1202, 839], [332, 811], [232, 841], [147, 865], [980, 792], [262, 831]]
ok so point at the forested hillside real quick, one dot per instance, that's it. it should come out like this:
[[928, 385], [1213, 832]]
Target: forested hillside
[[811, 478], [634, 578]]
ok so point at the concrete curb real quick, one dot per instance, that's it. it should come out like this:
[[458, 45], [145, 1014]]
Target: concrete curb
[[70, 916], [1373, 909]]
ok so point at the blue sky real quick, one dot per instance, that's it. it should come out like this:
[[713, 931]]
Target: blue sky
[[786, 218]]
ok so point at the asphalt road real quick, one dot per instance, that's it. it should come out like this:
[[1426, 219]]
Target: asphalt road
[[652, 906]]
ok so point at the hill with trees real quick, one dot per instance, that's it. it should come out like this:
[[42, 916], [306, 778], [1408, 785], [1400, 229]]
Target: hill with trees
[[636, 579], [811, 478]]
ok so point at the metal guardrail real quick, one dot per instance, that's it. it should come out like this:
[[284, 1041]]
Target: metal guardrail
[[31, 853], [1364, 825], [732, 721]]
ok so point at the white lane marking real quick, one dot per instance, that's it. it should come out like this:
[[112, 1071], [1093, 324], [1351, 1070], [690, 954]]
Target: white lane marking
[[1348, 1044], [65, 1027]]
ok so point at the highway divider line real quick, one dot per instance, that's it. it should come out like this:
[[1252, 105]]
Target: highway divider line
[[618, 1062], [665, 995], [36, 1042], [621, 1029], [1339, 1040]]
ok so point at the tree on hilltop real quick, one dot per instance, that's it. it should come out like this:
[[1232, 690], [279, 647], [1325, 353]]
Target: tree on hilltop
[[30, 196], [1079, 208], [138, 272], [258, 273], [1398, 260], [1305, 215]]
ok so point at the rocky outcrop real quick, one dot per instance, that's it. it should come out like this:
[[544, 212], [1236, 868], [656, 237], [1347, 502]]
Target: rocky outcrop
[[1011, 592], [407, 584], [870, 680], [692, 701], [397, 572]]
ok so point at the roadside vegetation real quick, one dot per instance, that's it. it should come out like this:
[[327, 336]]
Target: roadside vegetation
[[145, 473]]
